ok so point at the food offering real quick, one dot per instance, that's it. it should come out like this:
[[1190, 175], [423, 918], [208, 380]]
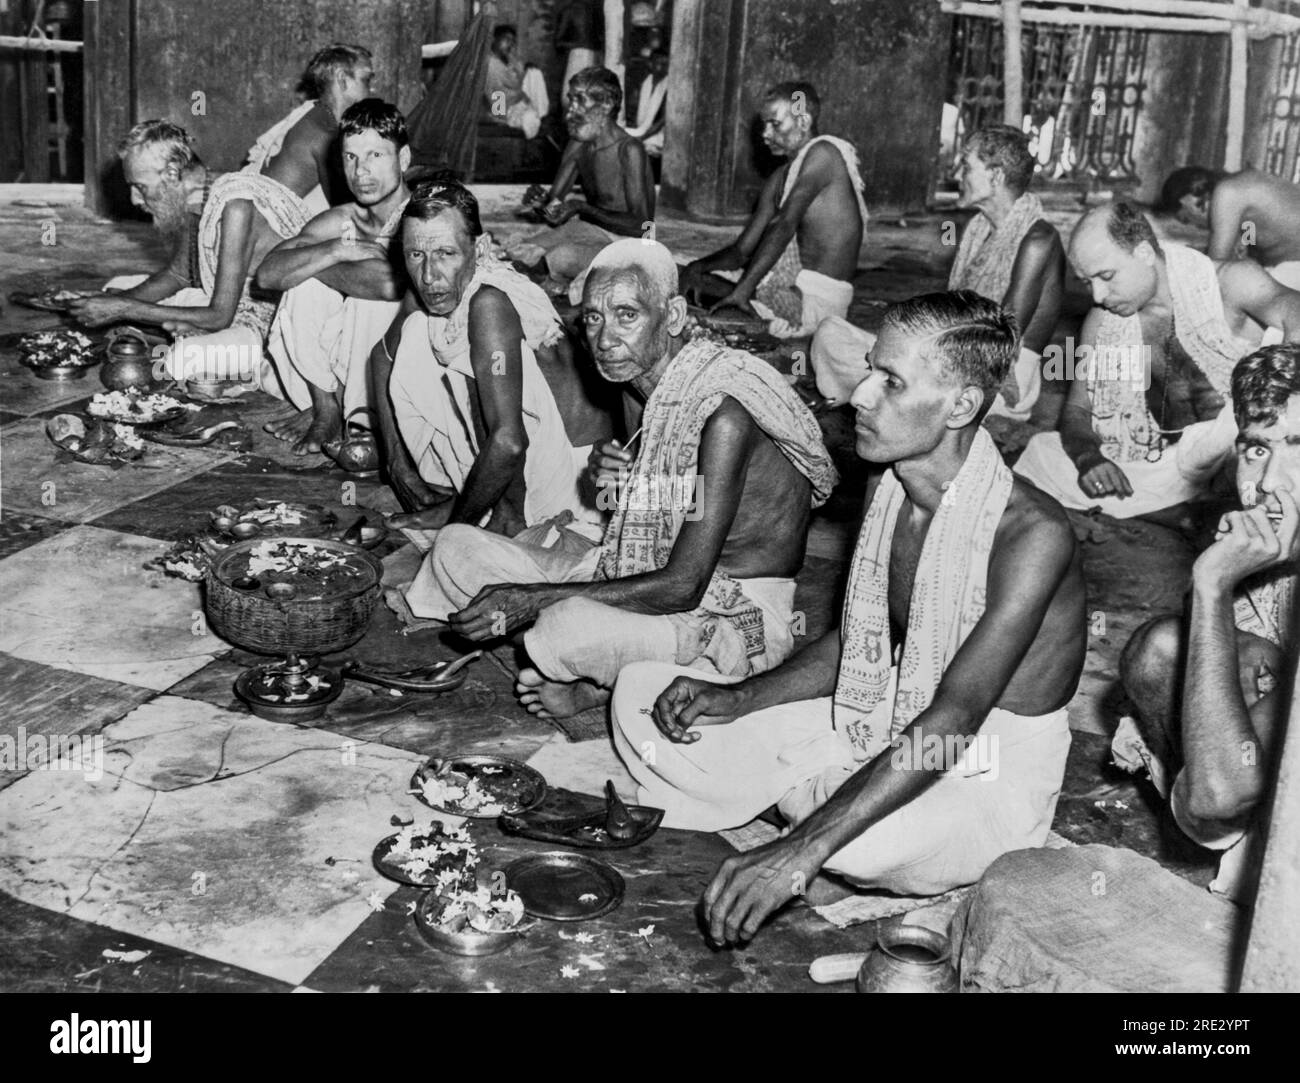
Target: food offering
[[133, 407], [480, 787], [49, 300], [99, 443], [435, 856], [291, 568], [58, 355]]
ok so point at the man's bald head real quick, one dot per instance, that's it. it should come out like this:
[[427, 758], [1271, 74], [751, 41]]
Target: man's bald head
[[631, 309], [1123, 223], [647, 259], [1115, 250]]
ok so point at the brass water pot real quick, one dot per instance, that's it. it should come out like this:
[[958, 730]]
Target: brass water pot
[[128, 361], [909, 959]]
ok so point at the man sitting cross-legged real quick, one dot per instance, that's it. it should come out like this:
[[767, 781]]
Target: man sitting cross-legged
[[793, 263], [710, 588], [342, 288], [482, 414], [928, 734], [617, 184], [1209, 709]]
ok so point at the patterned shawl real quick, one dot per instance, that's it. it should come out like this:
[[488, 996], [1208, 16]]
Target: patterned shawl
[[659, 492], [987, 253], [948, 599], [1119, 408], [284, 212], [1267, 605]]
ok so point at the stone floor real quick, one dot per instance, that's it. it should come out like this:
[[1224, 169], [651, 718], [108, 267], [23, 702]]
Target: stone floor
[[212, 850]]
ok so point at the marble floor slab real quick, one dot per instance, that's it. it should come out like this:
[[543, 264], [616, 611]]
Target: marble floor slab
[[18, 531], [77, 492], [244, 841], [81, 600], [583, 767]]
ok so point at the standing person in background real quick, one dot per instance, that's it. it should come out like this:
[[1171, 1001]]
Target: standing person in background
[[577, 38]]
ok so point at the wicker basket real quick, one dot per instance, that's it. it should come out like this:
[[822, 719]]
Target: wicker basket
[[251, 620]]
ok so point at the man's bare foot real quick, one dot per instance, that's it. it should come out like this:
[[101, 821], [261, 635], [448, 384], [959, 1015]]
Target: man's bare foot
[[557, 699], [291, 426], [434, 518], [326, 428]]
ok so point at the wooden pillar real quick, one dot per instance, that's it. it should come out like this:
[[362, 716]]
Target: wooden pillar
[[1013, 89], [1237, 74], [109, 101]]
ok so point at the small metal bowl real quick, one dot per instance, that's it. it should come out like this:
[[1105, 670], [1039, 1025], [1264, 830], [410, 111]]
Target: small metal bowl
[[280, 592], [470, 942], [228, 510], [246, 582], [223, 523], [244, 531]]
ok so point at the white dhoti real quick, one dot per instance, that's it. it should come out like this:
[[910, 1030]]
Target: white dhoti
[[820, 297], [999, 797], [1287, 273], [1179, 476], [323, 338], [1028, 374], [839, 358], [578, 639], [580, 59], [567, 249]]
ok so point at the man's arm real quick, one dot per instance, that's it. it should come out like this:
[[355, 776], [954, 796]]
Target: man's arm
[[1097, 475], [1250, 289], [735, 255], [1224, 739], [1226, 209], [816, 174], [637, 193], [1039, 267], [726, 445], [496, 356], [566, 174], [1024, 575], [328, 249]]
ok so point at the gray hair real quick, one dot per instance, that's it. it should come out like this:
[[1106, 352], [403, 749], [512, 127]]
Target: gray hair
[[648, 258], [177, 144]]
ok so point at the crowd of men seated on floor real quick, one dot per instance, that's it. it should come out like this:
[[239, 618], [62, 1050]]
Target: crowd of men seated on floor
[[645, 555]]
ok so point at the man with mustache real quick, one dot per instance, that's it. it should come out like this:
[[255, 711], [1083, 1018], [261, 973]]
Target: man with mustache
[[617, 184], [793, 263], [202, 295], [342, 287], [1210, 692], [962, 634], [709, 516], [1144, 427]]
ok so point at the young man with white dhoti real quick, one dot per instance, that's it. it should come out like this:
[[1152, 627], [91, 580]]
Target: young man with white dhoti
[[1144, 425], [301, 150], [514, 94], [793, 264], [697, 565], [342, 286], [220, 329], [1009, 253], [480, 410], [927, 735]]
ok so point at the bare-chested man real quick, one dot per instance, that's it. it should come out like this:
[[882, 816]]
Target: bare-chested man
[[794, 262], [342, 285], [1144, 426], [617, 183], [1009, 253], [221, 329], [709, 521], [301, 151], [1250, 214], [928, 735], [483, 418]]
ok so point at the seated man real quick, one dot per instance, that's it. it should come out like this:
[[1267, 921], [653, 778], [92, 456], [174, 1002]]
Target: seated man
[[1209, 711], [220, 329], [342, 286], [697, 565], [649, 126], [793, 263], [475, 389], [616, 182], [301, 151], [1144, 427], [515, 95], [928, 735], [1249, 214], [1009, 253]]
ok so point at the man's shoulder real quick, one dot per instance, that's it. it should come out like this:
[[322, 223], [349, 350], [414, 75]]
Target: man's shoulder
[[1035, 520]]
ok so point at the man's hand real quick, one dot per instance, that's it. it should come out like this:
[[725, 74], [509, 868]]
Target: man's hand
[[750, 886], [689, 702], [1099, 477], [557, 213], [496, 611], [738, 299], [1248, 542], [608, 466], [98, 310], [535, 196]]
